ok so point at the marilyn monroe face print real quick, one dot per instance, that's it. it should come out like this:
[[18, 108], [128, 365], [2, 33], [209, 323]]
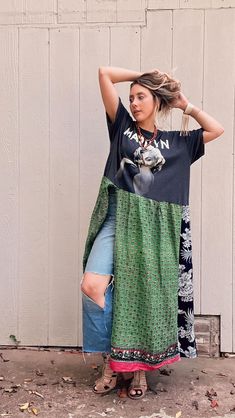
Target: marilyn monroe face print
[[147, 161]]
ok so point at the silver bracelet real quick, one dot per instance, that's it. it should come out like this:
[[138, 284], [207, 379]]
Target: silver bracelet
[[188, 109]]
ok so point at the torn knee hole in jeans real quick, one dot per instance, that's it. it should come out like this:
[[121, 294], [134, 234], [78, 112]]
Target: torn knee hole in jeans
[[111, 283]]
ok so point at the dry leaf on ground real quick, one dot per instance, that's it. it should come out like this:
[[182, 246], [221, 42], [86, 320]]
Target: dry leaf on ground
[[214, 403], [68, 379], [23, 407], [35, 411]]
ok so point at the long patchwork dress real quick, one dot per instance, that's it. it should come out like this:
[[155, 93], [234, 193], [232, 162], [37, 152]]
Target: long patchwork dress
[[153, 297]]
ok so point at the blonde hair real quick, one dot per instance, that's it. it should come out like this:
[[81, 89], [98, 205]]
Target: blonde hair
[[163, 87]]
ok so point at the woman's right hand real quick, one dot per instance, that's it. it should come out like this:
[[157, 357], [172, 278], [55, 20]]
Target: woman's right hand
[[180, 102], [108, 76]]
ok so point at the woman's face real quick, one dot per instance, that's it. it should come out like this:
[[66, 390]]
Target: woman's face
[[142, 104]]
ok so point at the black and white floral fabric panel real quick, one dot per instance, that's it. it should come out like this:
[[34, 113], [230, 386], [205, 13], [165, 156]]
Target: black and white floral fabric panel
[[186, 335]]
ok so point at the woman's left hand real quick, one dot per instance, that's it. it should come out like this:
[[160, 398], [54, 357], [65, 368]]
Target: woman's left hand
[[181, 102]]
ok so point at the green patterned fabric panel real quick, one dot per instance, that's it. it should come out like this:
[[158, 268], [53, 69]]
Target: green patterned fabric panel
[[98, 216], [146, 263], [146, 273]]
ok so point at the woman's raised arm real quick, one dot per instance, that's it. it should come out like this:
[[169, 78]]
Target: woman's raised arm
[[212, 128], [108, 76]]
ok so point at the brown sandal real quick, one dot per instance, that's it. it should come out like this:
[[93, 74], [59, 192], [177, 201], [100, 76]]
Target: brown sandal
[[107, 381], [138, 385]]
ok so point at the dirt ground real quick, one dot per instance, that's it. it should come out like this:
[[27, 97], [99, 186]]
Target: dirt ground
[[59, 384]]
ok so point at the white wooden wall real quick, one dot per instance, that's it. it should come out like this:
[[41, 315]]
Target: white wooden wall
[[53, 146]]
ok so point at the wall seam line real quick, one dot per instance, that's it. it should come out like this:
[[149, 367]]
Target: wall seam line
[[49, 182], [79, 200], [202, 104], [19, 177], [233, 231], [172, 55]]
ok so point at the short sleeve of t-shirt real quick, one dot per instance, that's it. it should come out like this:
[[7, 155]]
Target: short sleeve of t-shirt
[[122, 121], [195, 144]]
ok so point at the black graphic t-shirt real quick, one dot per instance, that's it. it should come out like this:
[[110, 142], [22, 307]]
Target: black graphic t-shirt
[[160, 171]]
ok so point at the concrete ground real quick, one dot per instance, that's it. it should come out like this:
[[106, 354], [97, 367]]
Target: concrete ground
[[59, 384]]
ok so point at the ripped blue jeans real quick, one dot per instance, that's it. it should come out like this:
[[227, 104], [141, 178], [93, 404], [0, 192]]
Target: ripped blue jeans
[[97, 321]]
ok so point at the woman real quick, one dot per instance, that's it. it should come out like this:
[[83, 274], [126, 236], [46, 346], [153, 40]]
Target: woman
[[139, 233]]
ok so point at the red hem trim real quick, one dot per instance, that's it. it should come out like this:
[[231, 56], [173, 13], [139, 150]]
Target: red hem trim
[[122, 366]]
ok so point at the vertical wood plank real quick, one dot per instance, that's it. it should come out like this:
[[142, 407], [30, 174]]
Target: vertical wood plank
[[189, 25], [64, 187], [217, 184], [156, 47], [9, 149], [156, 42], [94, 143], [127, 57], [34, 190], [233, 310]]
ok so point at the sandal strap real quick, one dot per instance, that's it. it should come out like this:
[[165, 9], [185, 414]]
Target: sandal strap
[[138, 383], [108, 379], [107, 372], [139, 378]]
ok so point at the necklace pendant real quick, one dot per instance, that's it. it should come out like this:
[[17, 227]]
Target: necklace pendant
[[142, 139]]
